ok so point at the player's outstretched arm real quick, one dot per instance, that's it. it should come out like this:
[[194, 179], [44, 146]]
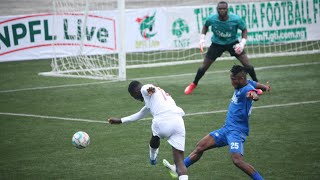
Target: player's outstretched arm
[[134, 117], [113, 120], [264, 87], [253, 95]]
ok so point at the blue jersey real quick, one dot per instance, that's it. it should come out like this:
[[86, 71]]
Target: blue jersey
[[240, 109], [225, 32], [253, 83]]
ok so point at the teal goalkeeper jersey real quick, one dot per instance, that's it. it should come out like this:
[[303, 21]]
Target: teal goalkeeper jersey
[[225, 32]]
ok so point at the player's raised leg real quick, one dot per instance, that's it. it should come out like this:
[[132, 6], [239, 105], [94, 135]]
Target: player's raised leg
[[207, 142], [238, 161], [204, 144]]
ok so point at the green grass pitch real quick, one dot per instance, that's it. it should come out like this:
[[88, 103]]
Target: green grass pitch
[[38, 116]]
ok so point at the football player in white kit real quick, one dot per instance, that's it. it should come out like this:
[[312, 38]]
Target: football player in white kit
[[167, 122]]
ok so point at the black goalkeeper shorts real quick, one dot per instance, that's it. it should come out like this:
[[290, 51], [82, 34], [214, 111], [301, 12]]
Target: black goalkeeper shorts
[[216, 50]]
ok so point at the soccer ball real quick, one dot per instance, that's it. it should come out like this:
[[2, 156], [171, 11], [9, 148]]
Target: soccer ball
[[80, 139]]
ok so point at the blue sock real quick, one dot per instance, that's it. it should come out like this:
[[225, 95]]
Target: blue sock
[[256, 176], [187, 162]]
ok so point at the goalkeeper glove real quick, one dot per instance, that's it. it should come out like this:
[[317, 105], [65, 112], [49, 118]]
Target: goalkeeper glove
[[202, 41], [238, 48]]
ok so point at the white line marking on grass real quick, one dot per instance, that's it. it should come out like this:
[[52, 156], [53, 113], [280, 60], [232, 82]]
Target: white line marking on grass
[[189, 114], [52, 87], [258, 107], [154, 77], [224, 71], [51, 117]]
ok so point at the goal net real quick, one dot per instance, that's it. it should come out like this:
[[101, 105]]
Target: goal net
[[104, 37], [86, 39]]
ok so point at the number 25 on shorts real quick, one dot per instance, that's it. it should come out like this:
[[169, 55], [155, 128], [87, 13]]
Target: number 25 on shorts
[[234, 145]]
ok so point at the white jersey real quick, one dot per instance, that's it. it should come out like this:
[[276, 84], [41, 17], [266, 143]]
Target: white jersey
[[159, 104], [167, 116]]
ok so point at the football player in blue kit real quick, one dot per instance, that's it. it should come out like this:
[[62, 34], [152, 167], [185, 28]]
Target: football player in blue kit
[[224, 27], [236, 127]]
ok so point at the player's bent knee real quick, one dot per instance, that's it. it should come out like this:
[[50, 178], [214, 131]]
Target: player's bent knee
[[155, 142], [203, 69], [199, 149], [248, 66], [237, 162]]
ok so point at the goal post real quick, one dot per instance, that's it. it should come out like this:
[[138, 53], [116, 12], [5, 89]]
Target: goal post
[[122, 46], [103, 38], [89, 43]]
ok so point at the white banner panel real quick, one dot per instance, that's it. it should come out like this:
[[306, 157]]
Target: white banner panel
[[185, 25], [33, 36], [182, 33], [152, 29], [146, 30]]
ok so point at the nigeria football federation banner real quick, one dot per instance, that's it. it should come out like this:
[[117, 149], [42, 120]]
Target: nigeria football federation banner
[[152, 29], [267, 22]]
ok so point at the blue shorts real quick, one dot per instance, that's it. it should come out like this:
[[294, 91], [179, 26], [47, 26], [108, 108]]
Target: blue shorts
[[234, 139]]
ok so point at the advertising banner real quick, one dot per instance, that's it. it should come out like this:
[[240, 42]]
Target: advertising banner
[[151, 29], [45, 36], [146, 30]]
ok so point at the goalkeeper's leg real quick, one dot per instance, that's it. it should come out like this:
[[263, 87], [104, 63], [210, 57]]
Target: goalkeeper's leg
[[200, 73], [202, 69], [243, 58], [213, 53]]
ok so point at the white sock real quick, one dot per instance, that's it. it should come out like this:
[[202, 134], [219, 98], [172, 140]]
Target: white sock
[[153, 153], [183, 177]]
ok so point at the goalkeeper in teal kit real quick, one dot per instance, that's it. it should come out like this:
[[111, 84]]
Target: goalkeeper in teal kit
[[236, 128], [224, 27]]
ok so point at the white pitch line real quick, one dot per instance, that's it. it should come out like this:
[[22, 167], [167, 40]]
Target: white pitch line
[[51, 117], [52, 87], [258, 107], [286, 65], [224, 71], [188, 114], [155, 77]]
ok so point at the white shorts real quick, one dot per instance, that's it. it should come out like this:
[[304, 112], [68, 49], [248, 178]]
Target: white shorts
[[171, 128]]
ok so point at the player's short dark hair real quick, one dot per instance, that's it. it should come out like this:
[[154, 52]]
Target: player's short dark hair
[[236, 69], [133, 86], [223, 2]]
